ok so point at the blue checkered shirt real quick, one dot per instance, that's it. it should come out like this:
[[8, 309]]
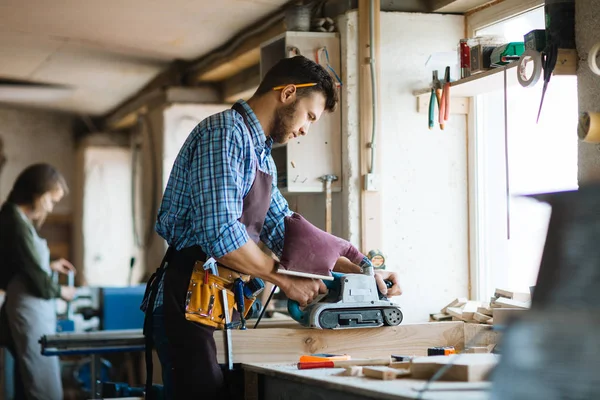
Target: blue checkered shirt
[[212, 174]]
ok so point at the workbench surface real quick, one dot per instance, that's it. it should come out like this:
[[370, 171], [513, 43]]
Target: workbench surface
[[273, 380]]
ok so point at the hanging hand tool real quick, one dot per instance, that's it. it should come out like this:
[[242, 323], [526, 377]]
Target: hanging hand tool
[[445, 101], [436, 94], [549, 62], [327, 179]]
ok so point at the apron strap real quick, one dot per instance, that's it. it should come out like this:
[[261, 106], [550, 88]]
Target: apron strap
[[148, 308]]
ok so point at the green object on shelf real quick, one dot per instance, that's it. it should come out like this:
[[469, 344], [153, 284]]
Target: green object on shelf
[[535, 40], [507, 53]]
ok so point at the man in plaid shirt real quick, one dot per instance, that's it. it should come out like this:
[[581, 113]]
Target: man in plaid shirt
[[220, 200]]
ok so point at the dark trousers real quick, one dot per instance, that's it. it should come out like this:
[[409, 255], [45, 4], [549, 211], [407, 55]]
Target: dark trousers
[[186, 349]]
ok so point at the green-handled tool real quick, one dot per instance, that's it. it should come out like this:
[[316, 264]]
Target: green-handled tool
[[436, 88]]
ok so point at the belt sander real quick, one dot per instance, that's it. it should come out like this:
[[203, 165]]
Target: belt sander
[[353, 300]]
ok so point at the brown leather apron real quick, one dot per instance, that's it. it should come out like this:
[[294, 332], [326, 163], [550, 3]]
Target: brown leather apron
[[196, 372]]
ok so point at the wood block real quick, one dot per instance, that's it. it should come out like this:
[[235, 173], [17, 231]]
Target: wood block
[[485, 310], [501, 315], [352, 371], [477, 350], [479, 317], [440, 317], [503, 293], [469, 310], [459, 302], [490, 321], [508, 303], [480, 335], [458, 105], [384, 373], [455, 312], [465, 368], [566, 63], [400, 365], [518, 296]]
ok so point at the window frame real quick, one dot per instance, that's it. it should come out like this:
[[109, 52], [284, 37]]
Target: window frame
[[480, 274]]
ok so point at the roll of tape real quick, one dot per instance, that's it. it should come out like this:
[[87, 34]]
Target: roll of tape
[[527, 57], [593, 57], [589, 127]]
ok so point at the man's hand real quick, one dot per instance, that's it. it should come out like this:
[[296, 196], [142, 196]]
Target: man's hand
[[302, 290], [62, 266], [380, 276]]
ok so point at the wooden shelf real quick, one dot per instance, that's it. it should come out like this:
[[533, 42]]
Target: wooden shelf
[[483, 82]]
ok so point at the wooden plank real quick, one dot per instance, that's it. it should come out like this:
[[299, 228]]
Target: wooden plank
[[499, 12], [245, 55], [371, 201], [458, 302], [458, 105], [287, 344], [479, 335], [465, 368], [479, 317], [483, 82], [508, 303], [384, 373], [456, 6], [566, 63]]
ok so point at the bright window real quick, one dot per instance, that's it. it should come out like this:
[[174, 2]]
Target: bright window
[[539, 157]]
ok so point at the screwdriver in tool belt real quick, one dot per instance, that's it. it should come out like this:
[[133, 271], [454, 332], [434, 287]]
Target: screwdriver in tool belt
[[238, 291]]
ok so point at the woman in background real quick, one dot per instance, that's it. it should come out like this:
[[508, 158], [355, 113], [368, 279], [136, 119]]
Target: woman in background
[[26, 275]]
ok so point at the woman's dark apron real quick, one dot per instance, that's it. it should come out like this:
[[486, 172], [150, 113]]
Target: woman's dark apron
[[196, 372]]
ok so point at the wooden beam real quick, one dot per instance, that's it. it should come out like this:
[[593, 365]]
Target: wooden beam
[[371, 203], [127, 116], [457, 6], [246, 54], [241, 85], [288, 344]]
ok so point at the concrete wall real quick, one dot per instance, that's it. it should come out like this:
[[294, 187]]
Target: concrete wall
[[32, 136], [424, 173], [587, 15]]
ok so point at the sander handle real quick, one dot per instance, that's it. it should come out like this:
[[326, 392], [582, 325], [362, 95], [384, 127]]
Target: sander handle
[[300, 315]]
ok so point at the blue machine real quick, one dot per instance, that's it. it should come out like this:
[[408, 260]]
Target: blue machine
[[120, 307]]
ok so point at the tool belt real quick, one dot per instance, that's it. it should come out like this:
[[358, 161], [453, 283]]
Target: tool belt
[[204, 301]]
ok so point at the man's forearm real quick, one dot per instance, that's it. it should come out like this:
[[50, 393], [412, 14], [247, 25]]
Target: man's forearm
[[250, 259]]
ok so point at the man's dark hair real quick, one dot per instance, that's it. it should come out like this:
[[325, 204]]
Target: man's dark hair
[[34, 181], [297, 70]]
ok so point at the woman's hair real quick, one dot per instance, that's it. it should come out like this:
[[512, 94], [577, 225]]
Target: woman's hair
[[34, 181]]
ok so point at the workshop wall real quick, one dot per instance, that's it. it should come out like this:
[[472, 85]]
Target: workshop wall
[[587, 15], [103, 223], [424, 173], [31, 136]]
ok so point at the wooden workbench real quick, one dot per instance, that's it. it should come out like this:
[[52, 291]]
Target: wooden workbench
[[285, 381], [285, 341]]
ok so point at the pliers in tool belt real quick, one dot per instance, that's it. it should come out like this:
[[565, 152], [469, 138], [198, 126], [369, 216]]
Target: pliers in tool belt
[[436, 93]]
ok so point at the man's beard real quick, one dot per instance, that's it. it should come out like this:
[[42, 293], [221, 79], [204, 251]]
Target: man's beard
[[280, 128]]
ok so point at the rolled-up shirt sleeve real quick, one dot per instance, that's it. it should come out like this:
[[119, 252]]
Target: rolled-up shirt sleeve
[[217, 191], [273, 231]]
